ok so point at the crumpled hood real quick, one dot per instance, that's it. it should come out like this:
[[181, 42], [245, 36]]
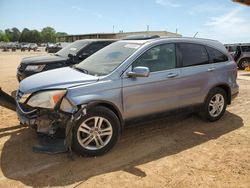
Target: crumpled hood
[[43, 59], [55, 79]]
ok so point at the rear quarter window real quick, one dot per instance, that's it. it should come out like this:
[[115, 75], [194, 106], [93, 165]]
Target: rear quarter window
[[245, 48], [216, 56]]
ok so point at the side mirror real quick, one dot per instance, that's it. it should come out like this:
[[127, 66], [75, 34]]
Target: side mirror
[[139, 72]]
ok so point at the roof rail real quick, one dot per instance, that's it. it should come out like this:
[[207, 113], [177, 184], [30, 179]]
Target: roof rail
[[141, 37]]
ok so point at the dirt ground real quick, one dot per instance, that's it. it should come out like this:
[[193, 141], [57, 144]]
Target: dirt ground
[[171, 152]]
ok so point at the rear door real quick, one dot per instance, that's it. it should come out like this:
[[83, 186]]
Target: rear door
[[159, 91], [196, 73], [225, 69]]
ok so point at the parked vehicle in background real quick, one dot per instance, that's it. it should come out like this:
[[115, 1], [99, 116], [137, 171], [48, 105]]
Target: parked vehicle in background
[[242, 56], [24, 46], [126, 80], [70, 55], [53, 48], [32, 46], [231, 48]]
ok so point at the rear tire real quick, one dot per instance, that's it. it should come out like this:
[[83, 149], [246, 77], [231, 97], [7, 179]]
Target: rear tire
[[97, 132], [215, 105], [244, 63]]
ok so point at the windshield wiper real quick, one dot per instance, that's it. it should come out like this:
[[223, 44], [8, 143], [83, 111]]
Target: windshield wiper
[[81, 70]]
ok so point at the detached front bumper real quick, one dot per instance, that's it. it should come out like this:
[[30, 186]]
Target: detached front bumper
[[46, 121], [25, 116]]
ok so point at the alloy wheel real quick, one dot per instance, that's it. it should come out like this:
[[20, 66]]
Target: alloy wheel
[[94, 133], [216, 105]]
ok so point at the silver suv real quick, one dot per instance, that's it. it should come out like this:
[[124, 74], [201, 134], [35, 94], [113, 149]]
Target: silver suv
[[126, 80]]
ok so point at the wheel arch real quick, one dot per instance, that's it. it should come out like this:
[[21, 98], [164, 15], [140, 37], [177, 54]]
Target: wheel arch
[[226, 88], [111, 107]]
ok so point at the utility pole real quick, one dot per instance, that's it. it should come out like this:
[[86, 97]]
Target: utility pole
[[147, 29]]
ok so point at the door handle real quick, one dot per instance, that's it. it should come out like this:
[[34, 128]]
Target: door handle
[[210, 69], [172, 75]]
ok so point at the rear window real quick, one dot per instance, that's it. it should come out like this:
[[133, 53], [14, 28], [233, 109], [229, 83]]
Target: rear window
[[192, 54], [94, 47], [245, 48], [216, 56]]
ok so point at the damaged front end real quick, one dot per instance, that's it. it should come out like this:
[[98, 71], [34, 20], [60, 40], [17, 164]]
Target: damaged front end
[[48, 112]]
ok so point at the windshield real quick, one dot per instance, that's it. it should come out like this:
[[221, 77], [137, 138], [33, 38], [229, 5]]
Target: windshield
[[72, 48], [107, 59]]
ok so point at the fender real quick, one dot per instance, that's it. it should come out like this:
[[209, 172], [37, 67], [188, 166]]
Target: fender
[[107, 104]]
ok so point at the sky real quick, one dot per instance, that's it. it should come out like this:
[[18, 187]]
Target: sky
[[221, 20]]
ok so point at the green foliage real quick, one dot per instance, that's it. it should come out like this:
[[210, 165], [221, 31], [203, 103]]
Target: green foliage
[[12, 34], [58, 34], [3, 37], [24, 37], [48, 34]]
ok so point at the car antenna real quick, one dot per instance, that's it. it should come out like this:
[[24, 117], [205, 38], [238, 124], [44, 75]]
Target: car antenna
[[195, 34]]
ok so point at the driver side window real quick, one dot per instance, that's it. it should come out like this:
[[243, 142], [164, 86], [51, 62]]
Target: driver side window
[[158, 58]]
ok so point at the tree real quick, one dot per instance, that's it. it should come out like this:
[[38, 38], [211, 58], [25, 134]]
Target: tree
[[24, 37], [48, 34], [34, 36], [8, 34], [59, 34], [13, 34], [3, 37]]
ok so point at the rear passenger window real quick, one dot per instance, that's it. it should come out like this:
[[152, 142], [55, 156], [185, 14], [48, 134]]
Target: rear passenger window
[[245, 48], [94, 47], [158, 58], [216, 56], [192, 54]]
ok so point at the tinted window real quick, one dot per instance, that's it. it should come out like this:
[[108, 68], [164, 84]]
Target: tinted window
[[158, 58], [216, 56], [245, 48], [93, 47], [232, 48], [192, 54]]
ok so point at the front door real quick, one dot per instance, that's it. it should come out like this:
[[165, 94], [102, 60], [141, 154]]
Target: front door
[[159, 91]]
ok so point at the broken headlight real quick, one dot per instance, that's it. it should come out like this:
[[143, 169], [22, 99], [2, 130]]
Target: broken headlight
[[46, 99]]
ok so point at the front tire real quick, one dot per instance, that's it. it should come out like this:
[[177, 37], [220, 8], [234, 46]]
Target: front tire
[[215, 105], [97, 132]]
